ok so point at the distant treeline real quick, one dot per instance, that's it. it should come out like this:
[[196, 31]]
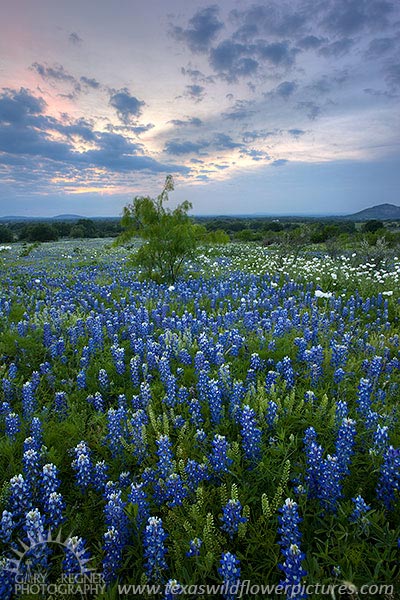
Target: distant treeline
[[258, 229]]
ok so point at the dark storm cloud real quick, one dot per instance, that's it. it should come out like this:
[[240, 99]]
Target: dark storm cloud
[[338, 48], [347, 17], [16, 106], [195, 92], [75, 39], [126, 105], [202, 29]]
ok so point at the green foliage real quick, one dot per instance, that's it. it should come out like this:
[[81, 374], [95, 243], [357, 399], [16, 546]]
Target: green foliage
[[6, 235], [372, 226], [39, 232], [170, 236]]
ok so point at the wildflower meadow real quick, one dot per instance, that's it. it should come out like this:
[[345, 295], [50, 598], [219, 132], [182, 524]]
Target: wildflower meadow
[[238, 425]]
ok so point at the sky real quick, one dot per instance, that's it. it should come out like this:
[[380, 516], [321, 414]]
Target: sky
[[270, 107]]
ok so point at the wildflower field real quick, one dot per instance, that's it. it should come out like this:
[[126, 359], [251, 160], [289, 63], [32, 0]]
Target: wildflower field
[[239, 425]]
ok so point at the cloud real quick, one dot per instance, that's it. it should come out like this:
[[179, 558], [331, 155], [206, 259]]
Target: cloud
[[219, 141], [380, 46], [56, 72], [256, 155], [230, 60], [278, 53], [195, 92], [338, 48], [311, 42], [347, 17], [202, 29], [311, 108], [284, 90], [296, 132], [271, 19], [240, 111], [16, 106], [193, 121], [196, 75], [259, 134], [179, 148], [280, 162], [90, 82], [75, 39], [126, 105], [393, 75], [25, 131]]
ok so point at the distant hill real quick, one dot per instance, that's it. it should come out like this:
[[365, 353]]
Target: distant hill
[[383, 212]]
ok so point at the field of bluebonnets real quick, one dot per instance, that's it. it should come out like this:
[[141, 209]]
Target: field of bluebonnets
[[240, 424]]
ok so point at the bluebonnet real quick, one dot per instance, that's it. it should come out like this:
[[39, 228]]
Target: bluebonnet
[[112, 554], [173, 589], [34, 528], [272, 413], [154, 549], [194, 547], [114, 514], [76, 556], [20, 499], [314, 453], [61, 404], [50, 481], [271, 379], [103, 379], [100, 475], [288, 372], [137, 433], [339, 375], [7, 526], [175, 491], [116, 424], [364, 396], [83, 466], [165, 459], [214, 401], [389, 479], [13, 425], [359, 512], [229, 570], [381, 438], [341, 411], [232, 517], [251, 434], [195, 473], [29, 402], [345, 444], [138, 496], [290, 547], [218, 458], [31, 467], [81, 379], [54, 507], [118, 354]]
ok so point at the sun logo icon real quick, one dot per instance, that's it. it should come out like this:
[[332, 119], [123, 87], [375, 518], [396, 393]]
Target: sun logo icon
[[32, 558]]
